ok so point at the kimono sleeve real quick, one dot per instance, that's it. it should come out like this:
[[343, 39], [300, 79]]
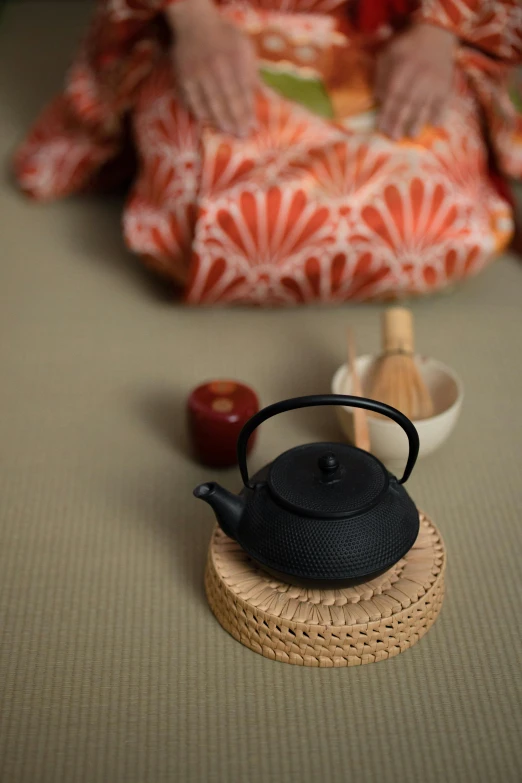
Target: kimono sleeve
[[493, 26]]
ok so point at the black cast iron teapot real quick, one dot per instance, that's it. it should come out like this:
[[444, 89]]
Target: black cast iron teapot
[[323, 514]]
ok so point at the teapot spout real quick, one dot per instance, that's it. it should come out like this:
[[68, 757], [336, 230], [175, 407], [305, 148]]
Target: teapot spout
[[227, 507]]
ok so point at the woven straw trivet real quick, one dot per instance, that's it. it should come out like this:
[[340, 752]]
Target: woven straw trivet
[[346, 627]]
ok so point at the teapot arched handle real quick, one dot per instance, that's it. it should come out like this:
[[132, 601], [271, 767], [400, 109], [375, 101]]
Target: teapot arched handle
[[327, 399]]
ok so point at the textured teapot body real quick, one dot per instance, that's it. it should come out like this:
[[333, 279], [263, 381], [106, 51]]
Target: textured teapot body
[[353, 547]]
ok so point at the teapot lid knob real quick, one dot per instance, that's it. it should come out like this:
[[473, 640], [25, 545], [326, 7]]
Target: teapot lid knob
[[328, 464]]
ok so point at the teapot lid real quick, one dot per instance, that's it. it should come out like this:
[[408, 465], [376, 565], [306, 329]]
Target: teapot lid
[[327, 480]]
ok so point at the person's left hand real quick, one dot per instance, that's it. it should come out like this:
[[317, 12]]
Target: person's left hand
[[414, 80]]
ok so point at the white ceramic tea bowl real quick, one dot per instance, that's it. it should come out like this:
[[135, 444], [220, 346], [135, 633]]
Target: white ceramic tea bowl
[[388, 442]]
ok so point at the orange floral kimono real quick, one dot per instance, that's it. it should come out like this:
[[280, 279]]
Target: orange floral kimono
[[316, 206]]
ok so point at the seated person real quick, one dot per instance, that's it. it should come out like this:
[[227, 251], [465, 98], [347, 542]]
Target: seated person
[[281, 153]]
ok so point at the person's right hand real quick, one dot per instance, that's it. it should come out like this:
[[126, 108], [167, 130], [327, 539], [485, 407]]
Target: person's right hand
[[215, 67]]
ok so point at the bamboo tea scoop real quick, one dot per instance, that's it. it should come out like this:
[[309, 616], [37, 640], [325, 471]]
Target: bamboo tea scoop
[[397, 380], [360, 420]]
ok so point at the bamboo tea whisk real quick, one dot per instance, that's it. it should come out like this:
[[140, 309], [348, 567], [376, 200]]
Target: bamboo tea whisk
[[397, 380]]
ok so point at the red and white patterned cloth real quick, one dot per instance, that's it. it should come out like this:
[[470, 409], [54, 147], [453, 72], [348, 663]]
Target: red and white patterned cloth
[[308, 209]]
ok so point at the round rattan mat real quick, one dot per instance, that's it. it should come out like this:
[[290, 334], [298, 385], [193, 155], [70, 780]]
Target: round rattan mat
[[347, 627]]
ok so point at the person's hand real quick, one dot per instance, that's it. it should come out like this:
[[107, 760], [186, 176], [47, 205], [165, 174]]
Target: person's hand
[[215, 67], [414, 80]]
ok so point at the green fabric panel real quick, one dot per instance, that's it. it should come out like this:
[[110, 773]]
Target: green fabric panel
[[307, 92]]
